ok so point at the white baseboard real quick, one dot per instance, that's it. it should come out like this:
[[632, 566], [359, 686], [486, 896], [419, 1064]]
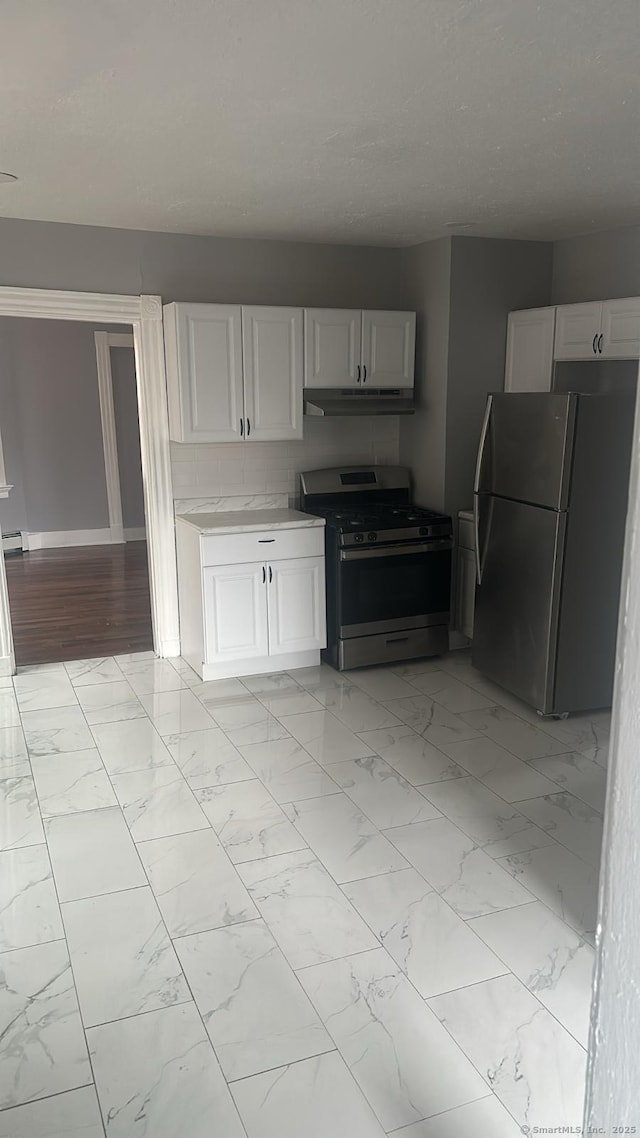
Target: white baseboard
[[6, 666], [57, 539], [135, 533]]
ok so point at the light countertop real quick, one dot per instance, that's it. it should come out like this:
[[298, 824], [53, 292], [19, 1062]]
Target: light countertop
[[248, 521]]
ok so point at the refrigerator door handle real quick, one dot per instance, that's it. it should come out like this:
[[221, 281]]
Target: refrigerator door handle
[[476, 541], [483, 442]]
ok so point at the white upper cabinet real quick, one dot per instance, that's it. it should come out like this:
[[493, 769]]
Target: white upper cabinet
[[215, 396], [621, 329], [332, 344], [529, 362], [272, 348], [388, 348], [203, 349], [578, 328]]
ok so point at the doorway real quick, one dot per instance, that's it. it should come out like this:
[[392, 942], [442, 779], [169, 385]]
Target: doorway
[[144, 315]]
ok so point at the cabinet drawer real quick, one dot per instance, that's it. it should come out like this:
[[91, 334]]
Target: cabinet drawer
[[272, 545], [466, 535]]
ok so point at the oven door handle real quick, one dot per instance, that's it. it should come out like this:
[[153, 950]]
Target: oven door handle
[[376, 551]]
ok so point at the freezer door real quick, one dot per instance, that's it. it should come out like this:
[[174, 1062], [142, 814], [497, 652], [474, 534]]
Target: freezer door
[[517, 598], [526, 447]]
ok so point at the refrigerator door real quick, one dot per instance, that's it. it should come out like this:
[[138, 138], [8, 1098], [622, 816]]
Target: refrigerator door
[[526, 447], [517, 597]]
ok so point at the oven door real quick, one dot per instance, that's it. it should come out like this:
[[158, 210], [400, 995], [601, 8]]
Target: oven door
[[383, 588]]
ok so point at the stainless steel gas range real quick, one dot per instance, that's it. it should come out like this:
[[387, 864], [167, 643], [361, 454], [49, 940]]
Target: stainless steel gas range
[[388, 566]]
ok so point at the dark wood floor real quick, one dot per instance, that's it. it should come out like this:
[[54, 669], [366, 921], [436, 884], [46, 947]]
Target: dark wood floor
[[72, 604]]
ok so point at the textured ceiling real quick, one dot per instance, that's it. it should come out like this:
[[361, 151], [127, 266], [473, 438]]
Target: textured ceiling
[[363, 121]]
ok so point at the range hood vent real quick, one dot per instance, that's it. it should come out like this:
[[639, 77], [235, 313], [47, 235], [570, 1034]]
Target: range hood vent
[[346, 401]]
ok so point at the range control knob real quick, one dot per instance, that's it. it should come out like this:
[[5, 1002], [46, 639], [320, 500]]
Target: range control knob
[[372, 537], [359, 537]]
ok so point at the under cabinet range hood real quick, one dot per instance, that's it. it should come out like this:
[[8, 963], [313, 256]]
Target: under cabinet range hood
[[346, 401]]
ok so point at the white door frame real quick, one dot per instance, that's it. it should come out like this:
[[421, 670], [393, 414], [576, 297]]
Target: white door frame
[[104, 342], [144, 313]]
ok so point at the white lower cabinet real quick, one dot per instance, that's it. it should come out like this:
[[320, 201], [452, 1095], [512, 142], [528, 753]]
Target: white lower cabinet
[[296, 605], [251, 602], [235, 612]]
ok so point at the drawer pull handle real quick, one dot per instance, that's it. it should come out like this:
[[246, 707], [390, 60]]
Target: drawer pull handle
[[265, 540], [397, 640]]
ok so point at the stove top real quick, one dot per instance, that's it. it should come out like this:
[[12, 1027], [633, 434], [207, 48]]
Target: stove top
[[350, 519]]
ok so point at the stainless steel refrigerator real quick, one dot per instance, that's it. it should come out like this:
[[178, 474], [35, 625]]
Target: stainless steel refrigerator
[[550, 503]]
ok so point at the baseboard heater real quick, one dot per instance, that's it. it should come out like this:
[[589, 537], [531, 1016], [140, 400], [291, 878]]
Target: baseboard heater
[[12, 542]]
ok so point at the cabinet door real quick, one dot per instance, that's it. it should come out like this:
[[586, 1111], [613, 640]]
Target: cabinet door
[[529, 361], [621, 329], [332, 341], [465, 591], [577, 329], [388, 348], [297, 618], [203, 349], [235, 612], [272, 346]]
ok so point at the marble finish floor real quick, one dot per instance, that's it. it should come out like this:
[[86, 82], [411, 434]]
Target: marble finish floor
[[305, 905]]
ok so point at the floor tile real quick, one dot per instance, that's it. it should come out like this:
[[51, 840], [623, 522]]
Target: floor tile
[[254, 1009], [249, 823], [412, 756], [495, 825], [433, 946], [550, 958], [14, 760], [514, 734], [316, 1098], [276, 682], [42, 1047], [466, 877], [73, 1114], [77, 781], [157, 803], [9, 714], [175, 711], [56, 731], [123, 960], [381, 683], [449, 692], [109, 703], [431, 720], [357, 710], [101, 670], [39, 690], [92, 853], [151, 676], [288, 771], [565, 883], [130, 660], [402, 1058], [576, 773], [208, 758], [245, 720], [29, 911], [185, 671], [381, 793], [588, 734], [325, 738], [485, 1118], [307, 913], [320, 678], [570, 821], [214, 692], [194, 883], [20, 823], [295, 701], [505, 775], [347, 842], [132, 745], [534, 1066], [157, 1077], [27, 669]]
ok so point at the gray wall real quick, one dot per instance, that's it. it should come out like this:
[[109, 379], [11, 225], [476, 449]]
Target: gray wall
[[38, 254], [600, 266], [488, 278], [125, 409], [423, 435]]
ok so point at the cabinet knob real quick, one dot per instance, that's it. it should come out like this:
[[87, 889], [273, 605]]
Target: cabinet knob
[[270, 574], [264, 575], [248, 427], [594, 345], [364, 373], [242, 428], [600, 343], [359, 374]]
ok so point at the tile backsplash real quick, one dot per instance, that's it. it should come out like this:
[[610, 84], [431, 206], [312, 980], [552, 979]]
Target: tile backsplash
[[218, 469]]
